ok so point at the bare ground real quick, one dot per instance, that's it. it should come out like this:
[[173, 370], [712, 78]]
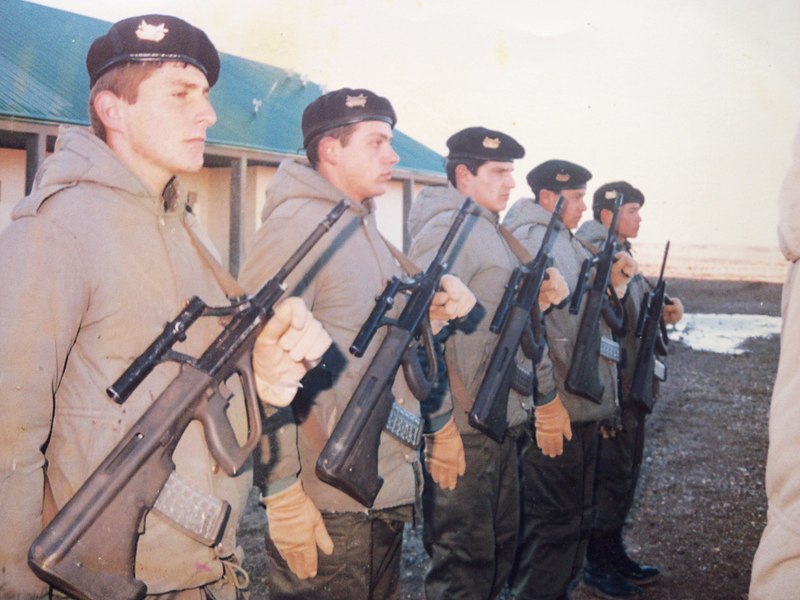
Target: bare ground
[[700, 505]]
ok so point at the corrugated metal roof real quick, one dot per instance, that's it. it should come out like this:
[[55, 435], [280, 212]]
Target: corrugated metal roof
[[43, 78]]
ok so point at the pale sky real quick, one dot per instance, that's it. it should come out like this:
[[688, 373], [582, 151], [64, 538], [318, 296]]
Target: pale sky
[[693, 101]]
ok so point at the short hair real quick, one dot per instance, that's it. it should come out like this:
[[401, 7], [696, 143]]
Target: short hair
[[341, 133], [122, 81], [472, 164]]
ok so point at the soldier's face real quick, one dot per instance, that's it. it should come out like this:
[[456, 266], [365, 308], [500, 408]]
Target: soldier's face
[[164, 131], [574, 207], [363, 167], [490, 186], [628, 222]]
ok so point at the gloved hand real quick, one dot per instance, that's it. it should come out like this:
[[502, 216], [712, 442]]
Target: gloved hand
[[290, 344], [673, 312], [552, 425], [611, 426], [444, 456], [454, 300], [623, 269], [297, 529], [554, 289]]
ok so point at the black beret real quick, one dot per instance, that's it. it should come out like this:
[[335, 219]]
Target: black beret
[[607, 193], [557, 175], [484, 144], [345, 107], [152, 38]]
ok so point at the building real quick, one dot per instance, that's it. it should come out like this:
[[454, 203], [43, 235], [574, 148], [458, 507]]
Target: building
[[44, 85]]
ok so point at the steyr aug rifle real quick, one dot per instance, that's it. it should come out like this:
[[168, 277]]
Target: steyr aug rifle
[[652, 332], [88, 550], [519, 323], [583, 377], [349, 460]]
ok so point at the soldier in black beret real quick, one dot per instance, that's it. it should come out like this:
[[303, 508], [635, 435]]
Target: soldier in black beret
[[606, 195], [608, 569], [323, 543], [559, 470], [471, 492], [106, 205]]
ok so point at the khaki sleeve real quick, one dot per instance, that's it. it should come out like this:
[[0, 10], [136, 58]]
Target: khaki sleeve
[[41, 300]]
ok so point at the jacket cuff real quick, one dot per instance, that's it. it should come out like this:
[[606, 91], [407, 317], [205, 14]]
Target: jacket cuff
[[433, 423], [542, 399], [275, 487]]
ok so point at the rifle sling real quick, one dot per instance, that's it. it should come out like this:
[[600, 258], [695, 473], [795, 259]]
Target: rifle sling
[[457, 387], [515, 245], [225, 280]]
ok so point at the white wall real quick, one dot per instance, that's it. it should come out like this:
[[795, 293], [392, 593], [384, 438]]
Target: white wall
[[12, 182]]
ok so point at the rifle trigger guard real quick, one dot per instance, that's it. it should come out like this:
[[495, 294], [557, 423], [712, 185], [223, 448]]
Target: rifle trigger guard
[[421, 382], [614, 315]]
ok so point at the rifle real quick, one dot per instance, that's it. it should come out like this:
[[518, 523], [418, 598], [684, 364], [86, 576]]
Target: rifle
[[583, 377], [349, 460], [88, 550], [653, 335], [517, 311]]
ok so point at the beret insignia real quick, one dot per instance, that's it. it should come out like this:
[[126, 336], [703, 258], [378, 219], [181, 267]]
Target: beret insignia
[[151, 33], [491, 143], [611, 195], [359, 101], [563, 177]]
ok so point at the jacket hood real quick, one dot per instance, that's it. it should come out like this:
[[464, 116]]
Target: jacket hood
[[592, 232], [525, 211], [294, 180], [81, 157], [435, 200]]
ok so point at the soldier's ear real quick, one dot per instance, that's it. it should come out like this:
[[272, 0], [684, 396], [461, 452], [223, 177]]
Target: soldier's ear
[[108, 109], [329, 148]]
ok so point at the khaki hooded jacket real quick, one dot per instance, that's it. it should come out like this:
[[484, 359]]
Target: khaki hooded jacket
[[338, 280], [91, 268]]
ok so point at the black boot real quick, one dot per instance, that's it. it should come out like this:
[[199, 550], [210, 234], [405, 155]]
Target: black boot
[[626, 566], [600, 577]]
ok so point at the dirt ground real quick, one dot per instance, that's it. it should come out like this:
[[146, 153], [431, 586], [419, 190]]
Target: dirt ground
[[700, 505]]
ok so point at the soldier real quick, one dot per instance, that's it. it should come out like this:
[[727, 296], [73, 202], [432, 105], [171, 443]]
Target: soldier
[[608, 568], [99, 256], [471, 493], [557, 503], [348, 140]]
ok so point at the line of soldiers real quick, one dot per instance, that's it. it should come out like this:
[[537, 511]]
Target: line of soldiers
[[103, 252]]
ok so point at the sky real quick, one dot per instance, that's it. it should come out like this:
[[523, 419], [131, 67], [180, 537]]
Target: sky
[[695, 102]]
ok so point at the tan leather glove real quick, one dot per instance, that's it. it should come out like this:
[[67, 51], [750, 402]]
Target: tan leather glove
[[673, 312], [444, 456], [622, 271], [552, 426], [452, 301], [297, 529], [554, 289], [290, 344]]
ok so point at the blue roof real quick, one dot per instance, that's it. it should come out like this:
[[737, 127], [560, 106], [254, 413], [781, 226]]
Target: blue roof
[[43, 78]]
